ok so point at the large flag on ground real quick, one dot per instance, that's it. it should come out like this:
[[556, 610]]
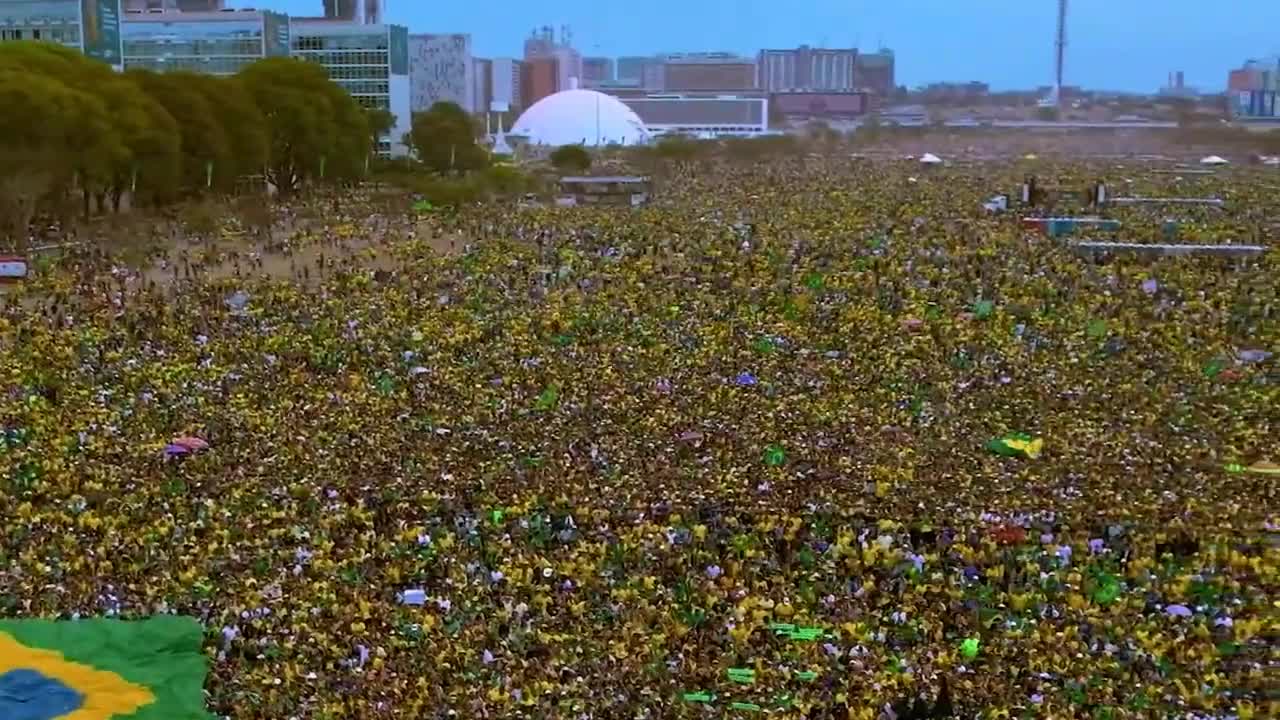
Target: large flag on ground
[[102, 669]]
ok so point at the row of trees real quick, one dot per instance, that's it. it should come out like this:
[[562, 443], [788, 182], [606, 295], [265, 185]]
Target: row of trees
[[74, 131]]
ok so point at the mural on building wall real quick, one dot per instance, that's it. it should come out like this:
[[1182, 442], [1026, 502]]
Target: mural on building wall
[[440, 70]]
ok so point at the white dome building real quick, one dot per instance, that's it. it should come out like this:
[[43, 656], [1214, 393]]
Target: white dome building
[[580, 117]]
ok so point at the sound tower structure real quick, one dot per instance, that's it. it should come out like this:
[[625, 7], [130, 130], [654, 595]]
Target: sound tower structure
[[1061, 50]]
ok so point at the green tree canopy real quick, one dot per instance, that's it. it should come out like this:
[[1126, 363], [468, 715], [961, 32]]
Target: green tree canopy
[[205, 143], [381, 122], [444, 139], [571, 158], [94, 145], [241, 121], [310, 122], [42, 122]]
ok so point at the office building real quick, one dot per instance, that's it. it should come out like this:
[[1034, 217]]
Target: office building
[[362, 12], [217, 42], [482, 84], [1257, 74], [707, 71], [369, 61], [505, 76], [90, 26], [540, 78], [874, 72], [807, 69], [629, 71], [441, 70], [597, 71], [705, 117], [543, 45]]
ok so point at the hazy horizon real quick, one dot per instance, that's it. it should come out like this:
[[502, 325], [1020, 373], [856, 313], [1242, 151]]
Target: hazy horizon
[[1121, 46]]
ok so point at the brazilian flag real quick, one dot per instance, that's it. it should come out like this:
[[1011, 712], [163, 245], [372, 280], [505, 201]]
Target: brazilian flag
[[102, 669], [1017, 445]]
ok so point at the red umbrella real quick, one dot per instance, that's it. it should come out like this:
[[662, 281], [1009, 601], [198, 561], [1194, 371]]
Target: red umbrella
[[193, 444]]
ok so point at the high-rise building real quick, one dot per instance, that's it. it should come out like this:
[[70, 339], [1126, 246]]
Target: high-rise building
[[441, 69], [539, 78], [707, 72], [369, 61], [596, 71], [807, 69], [90, 27], [542, 44], [506, 75], [482, 84], [364, 12], [218, 42], [875, 72], [1256, 74], [630, 70], [654, 76]]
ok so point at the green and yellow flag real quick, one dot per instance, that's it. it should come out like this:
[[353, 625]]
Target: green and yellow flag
[[1017, 445], [102, 669]]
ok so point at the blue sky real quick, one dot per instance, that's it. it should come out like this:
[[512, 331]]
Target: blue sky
[[1112, 44]]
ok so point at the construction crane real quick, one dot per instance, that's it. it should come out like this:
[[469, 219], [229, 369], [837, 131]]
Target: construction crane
[[1060, 51]]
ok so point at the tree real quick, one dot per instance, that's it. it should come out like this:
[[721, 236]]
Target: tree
[[94, 144], [312, 125], [444, 139], [505, 179], [242, 122], [40, 118], [350, 152], [152, 169], [206, 149], [571, 158], [381, 122]]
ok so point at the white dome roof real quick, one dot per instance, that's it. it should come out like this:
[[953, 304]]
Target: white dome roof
[[580, 117]]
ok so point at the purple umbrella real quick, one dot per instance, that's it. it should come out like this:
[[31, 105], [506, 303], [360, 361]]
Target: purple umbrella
[[174, 450]]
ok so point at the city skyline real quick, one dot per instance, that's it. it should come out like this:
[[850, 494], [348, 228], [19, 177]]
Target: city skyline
[[1006, 43]]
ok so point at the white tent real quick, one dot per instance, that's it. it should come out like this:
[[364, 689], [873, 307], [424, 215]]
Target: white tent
[[930, 159], [1213, 160], [1271, 161]]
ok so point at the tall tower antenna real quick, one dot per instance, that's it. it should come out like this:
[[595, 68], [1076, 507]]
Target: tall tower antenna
[[1061, 50]]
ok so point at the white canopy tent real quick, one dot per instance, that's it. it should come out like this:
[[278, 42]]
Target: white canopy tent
[[1214, 160]]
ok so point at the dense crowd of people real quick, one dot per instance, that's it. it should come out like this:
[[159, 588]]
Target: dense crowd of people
[[817, 439]]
